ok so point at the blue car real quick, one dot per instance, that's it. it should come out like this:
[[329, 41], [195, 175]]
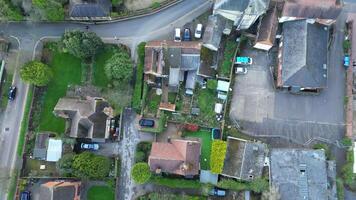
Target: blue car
[[215, 134], [25, 195], [86, 146], [186, 35], [347, 61], [243, 60]]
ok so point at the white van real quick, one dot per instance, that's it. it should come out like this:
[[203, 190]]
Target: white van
[[198, 31], [177, 35]]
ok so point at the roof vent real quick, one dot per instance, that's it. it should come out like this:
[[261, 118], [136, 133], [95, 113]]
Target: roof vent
[[324, 75], [324, 66]]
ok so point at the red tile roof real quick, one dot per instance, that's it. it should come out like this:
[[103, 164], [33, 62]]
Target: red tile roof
[[177, 157]]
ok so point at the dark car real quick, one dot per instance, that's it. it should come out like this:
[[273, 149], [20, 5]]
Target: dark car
[[12, 93], [186, 35], [86, 146], [217, 192], [216, 133], [25, 195], [147, 122]]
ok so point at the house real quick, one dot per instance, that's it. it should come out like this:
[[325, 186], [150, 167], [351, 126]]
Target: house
[[324, 11], [242, 13], [180, 157], [267, 30], [213, 32], [169, 63], [60, 190], [90, 9], [303, 56], [46, 148], [89, 118], [244, 159], [302, 174]]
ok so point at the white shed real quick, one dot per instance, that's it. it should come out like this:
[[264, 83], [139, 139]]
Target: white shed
[[54, 150]]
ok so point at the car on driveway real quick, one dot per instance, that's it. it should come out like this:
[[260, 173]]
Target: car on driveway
[[89, 146], [147, 122], [198, 31], [241, 70], [186, 35], [25, 195], [12, 93], [177, 35], [217, 192], [346, 61], [243, 60]]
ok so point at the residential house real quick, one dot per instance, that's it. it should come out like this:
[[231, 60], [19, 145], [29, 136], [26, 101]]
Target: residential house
[[244, 159], [90, 10], [267, 30], [302, 174], [60, 190], [168, 63], [178, 156], [89, 118], [303, 56], [46, 148], [323, 11]]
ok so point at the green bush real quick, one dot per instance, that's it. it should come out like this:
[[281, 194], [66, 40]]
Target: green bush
[[346, 45], [37, 73], [212, 84], [119, 67], [325, 148], [217, 156], [346, 142], [136, 100], [340, 189], [206, 55], [141, 173], [155, 5], [88, 165], [175, 183], [257, 185], [347, 172]]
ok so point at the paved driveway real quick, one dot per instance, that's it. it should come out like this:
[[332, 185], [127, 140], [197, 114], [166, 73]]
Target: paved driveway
[[261, 111]]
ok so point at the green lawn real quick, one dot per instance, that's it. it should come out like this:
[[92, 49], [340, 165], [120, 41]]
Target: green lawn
[[100, 193], [205, 137], [67, 70], [206, 99], [100, 78]]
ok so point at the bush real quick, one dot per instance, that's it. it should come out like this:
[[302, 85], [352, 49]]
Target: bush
[[81, 44], [143, 151], [340, 189], [212, 84], [175, 183], [141, 173], [347, 142], [346, 45], [325, 148], [257, 185], [64, 165], [36, 73], [347, 172], [119, 67], [139, 156], [136, 100], [88, 165], [217, 156], [206, 55], [155, 5]]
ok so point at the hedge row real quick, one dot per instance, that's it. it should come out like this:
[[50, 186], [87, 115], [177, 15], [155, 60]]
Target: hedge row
[[136, 100], [217, 156]]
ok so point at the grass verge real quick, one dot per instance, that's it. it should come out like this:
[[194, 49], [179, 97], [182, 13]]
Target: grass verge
[[100, 193], [176, 183], [100, 79], [24, 122], [4, 90], [13, 184], [205, 137]]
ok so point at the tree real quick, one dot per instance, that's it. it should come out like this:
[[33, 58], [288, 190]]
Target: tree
[[51, 10], [217, 156], [212, 84], [89, 165], [36, 73], [64, 165], [141, 173], [119, 67], [81, 44]]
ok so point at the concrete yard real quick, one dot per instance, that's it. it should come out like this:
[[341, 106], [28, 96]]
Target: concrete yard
[[261, 111]]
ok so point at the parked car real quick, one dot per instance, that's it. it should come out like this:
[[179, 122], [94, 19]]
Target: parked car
[[177, 36], [198, 31], [346, 61], [12, 93], [89, 146], [147, 122], [241, 70], [243, 60], [25, 195], [215, 134], [217, 192], [186, 35]]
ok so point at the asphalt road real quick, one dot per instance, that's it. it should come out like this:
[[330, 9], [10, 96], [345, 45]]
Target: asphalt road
[[29, 34]]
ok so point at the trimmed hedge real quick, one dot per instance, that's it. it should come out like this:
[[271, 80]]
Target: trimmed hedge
[[175, 183], [257, 185], [217, 156], [136, 100]]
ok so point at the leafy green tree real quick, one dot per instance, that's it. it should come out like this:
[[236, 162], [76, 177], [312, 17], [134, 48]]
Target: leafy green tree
[[64, 165], [217, 156], [50, 10], [89, 165], [9, 12], [81, 44], [212, 84], [36, 73], [119, 67], [141, 173], [140, 156]]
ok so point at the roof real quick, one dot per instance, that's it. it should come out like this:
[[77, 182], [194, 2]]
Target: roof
[[321, 9], [54, 151], [40, 150], [299, 174], [213, 32], [303, 64], [223, 86], [244, 159], [88, 117], [59, 190], [190, 81], [180, 157], [89, 8], [268, 27], [207, 177]]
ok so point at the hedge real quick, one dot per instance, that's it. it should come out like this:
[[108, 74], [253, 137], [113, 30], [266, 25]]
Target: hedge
[[176, 183], [257, 185], [136, 100], [217, 156]]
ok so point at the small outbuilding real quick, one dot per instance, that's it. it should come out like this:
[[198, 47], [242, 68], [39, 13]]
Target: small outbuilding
[[54, 150]]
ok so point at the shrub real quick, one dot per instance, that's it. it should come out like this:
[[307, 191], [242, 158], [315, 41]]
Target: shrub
[[141, 173], [212, 84], [175, 183], [88, 165], [347, 172], [136, 100], [217, 156], [346, 142], [346, 45], [155, 5], [119, 67], [257, 185], [325, 148], [36, 73]]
